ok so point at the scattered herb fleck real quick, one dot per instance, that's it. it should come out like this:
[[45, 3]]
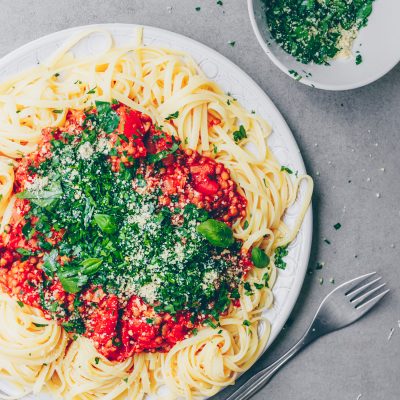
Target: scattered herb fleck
[[286, 169], [174, 115], [240, 134]]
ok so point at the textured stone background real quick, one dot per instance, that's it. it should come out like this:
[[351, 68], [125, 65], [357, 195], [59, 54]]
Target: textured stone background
[[346, 139]]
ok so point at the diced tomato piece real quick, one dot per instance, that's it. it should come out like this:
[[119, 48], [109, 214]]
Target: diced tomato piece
[[6, 258], [206, 186], [203, 175], [174, 179], [214, 121], [137, 333], [175, 329], [203, 169], [58, 292], [130, 123], [101, 325], [75, 118], [22, 281]]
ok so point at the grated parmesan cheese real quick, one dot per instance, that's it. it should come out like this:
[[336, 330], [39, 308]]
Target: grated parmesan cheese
[[85, 151]]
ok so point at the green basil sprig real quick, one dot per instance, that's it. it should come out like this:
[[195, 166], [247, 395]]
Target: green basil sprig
[[259, 258], [106, 223], [216, 232], [91, 265]]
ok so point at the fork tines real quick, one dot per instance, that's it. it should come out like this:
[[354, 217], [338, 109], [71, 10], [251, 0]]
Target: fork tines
[[363, 292]]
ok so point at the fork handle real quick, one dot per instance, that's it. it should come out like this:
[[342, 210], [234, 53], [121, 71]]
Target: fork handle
[[261, 378]]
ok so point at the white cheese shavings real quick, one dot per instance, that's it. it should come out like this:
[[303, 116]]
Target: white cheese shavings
[[103, 146], [85, 151], [345, 43], [37, 184], [209, 278], [149, 291]]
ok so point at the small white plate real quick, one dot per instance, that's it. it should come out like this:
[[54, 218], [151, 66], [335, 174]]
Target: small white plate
[[378, 43]]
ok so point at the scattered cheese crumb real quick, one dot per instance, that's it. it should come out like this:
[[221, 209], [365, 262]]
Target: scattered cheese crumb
[[85, 151], [37, 184], [345, 43]]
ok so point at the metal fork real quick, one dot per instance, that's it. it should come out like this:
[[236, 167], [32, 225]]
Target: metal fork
[[340, 308]]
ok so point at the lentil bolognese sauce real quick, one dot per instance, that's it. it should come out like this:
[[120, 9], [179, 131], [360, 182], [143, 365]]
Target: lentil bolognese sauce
[[121, 235]]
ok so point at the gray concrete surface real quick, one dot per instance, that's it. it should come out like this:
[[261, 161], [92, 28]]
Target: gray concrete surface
[[346, 138]]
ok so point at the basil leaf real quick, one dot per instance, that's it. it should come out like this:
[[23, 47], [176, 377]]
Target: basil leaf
[[106, 223], [259, 258], [364, 12], [108, 118], [50, 264], [216, 232], [43, 198], [23, 252], [70, 282], [91, 265]]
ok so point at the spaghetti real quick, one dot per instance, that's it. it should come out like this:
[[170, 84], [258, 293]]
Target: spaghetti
[[170, 88]]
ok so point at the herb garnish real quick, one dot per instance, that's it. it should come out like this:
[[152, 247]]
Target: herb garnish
[[280, 253], [240, 134], [174, 115], [311, 30], [119, 239]]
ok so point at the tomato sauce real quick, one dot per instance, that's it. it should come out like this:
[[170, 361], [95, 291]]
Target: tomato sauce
[[118, 327]]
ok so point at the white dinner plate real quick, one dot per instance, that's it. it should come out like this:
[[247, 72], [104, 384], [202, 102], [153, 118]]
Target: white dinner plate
[[241, 86], [378, 44]]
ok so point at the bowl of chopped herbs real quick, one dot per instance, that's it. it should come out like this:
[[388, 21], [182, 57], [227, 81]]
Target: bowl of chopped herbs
[[329, 44]]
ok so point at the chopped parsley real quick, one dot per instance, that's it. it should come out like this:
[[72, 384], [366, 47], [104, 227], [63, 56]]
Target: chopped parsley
[[174, 115], [92, 91], [286, 169], [311, 30], [280, 253], [337, 226], [240, 134], [295, 74], [40, 325]]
